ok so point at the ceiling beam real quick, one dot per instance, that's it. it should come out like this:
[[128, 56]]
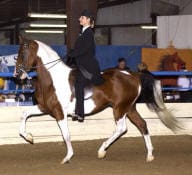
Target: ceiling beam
[[122, 25], [114, 3]]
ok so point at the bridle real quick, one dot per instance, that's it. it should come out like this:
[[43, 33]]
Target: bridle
[[21, 68]]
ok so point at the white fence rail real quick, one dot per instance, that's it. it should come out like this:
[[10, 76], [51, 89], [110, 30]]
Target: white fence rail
[[99, 126]]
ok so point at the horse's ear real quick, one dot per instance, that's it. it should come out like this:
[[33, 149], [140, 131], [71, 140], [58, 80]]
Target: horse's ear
[[21, 39]]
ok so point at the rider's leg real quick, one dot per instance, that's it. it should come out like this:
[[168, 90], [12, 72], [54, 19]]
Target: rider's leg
[[79, 93]]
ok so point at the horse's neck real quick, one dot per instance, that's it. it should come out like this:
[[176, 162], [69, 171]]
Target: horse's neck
[[53, 71], [40, 69]]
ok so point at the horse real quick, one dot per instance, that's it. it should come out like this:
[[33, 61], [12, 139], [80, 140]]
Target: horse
[[170, 62], [53, 90]]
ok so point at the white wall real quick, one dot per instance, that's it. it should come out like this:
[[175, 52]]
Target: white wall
[[176, 29], [139, 12], [134, 13]]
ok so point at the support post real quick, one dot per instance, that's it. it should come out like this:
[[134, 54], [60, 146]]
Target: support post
[[74, 9]]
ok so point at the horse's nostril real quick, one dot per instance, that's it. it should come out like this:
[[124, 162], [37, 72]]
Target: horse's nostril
[[17, 74]]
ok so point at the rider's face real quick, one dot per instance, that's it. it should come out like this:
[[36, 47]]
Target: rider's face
[[84, 21], [122, 65]]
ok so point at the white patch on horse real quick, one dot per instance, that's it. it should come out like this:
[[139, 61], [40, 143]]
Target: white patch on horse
[[125, 72], [88, 93], [89, 105], [59, 72]]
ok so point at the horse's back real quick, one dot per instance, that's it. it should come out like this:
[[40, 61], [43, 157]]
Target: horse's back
[[119, 84], [121, 77]]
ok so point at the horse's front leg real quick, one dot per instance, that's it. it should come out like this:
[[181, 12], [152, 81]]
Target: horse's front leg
[[34, 110], [63, 124]]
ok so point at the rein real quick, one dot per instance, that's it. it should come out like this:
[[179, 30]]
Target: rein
[[58, 60], [27, 75]]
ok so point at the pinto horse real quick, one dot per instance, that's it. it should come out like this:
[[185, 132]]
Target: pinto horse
[[53, 89]]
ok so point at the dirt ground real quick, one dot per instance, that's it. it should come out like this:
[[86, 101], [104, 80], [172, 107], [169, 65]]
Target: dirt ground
[[173, 156]]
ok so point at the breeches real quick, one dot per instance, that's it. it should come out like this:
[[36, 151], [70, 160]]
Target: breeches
[[80, 84]]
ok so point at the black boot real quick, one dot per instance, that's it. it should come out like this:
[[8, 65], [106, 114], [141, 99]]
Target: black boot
[[80, 119], [74, 117]]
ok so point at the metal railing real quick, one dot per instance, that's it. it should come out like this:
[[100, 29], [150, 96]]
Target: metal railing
[[173, 74], [155, 73]]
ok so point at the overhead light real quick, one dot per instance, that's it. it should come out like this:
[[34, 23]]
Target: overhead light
[[48, 25], [46, 15], [149, 27], [44, 31]]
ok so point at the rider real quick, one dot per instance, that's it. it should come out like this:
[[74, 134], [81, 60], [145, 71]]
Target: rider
[[86, 63]]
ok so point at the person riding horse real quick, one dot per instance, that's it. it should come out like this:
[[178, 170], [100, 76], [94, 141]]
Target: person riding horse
[[88, 70]]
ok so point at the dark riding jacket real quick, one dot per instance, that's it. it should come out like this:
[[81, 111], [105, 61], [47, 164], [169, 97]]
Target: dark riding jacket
[[84, 56]]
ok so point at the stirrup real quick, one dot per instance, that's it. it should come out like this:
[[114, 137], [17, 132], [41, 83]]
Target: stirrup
[[80, 119]]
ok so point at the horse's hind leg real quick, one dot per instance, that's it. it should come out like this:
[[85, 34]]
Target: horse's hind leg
[[120, 130], [136, 119], [34, 110]]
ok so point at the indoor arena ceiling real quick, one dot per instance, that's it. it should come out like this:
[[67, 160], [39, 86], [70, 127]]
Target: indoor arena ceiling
[[15, 11]]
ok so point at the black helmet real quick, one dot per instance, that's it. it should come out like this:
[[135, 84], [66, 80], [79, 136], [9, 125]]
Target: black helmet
[[87, 13]]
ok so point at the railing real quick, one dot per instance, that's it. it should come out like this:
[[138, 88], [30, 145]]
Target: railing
[[155, 73], [10, 75], [172, 74]]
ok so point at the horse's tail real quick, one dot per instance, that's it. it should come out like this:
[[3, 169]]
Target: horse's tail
[[151, 94]]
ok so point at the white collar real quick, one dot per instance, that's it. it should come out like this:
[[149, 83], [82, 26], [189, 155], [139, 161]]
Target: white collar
[[84, 28]]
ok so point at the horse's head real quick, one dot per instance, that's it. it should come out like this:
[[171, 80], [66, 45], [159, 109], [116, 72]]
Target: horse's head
[[27, 57], [171, 62]]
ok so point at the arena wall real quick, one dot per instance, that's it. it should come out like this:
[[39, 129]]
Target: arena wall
[[99, 126]]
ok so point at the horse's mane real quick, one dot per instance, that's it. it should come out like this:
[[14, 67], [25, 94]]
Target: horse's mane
[[46, 53]]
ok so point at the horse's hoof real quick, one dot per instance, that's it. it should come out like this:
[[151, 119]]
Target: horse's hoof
[[28, 137], [150, 158], [66, 159], [101, 154]]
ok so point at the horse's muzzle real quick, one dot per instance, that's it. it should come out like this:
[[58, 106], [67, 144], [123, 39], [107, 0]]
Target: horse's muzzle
[[20, 75]]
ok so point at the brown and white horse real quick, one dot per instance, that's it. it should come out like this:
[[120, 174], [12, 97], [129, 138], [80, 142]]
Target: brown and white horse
[[53, 94]]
